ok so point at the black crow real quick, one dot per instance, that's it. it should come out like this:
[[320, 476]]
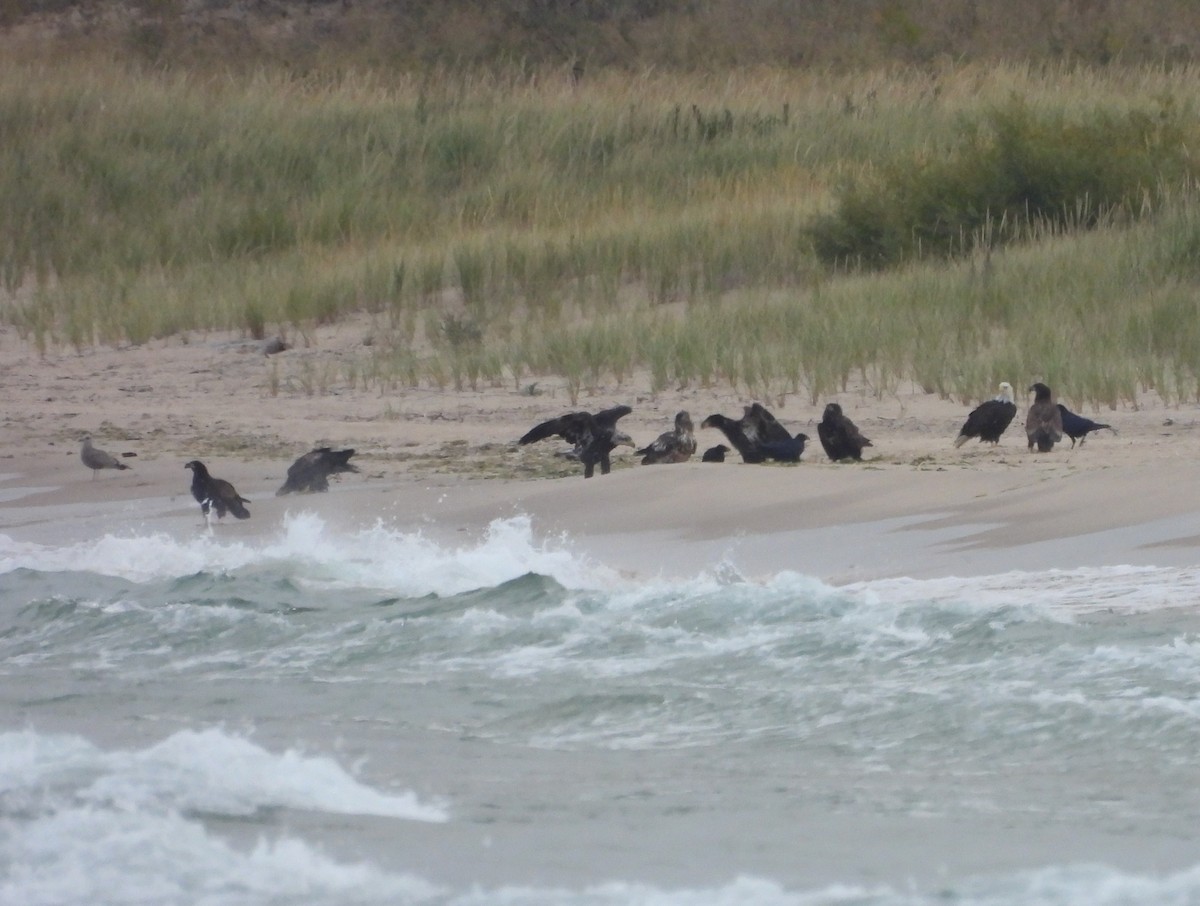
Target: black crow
[[785, 450], [756, 427], [735, 433], [1077, 427]]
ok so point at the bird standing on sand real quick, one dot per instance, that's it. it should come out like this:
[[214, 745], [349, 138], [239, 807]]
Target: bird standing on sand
[[96, 459], [215, 494], [753, 432], [762, 427], [671, 446], [1077, 427], [1044, 423], [594, 435], [735, 431], [990, 418], [839, 436]]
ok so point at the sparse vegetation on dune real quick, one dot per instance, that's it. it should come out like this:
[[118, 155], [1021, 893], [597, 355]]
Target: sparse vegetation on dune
[[583, 36], [781, 232]]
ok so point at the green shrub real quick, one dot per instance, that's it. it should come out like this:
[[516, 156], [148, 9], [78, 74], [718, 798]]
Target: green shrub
[[1014, 173]]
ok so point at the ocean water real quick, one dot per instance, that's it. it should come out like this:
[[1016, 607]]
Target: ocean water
[[323, 718]]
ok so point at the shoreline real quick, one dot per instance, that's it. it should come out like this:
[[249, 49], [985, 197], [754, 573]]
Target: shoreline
[[836, 523], [446, 463]]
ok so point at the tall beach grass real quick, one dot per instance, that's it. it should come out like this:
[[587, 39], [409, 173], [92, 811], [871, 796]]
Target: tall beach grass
[[498, 228]]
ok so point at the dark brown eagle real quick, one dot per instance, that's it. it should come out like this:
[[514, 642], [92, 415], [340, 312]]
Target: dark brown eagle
[[593, 434], [215, 493], [757, 435], [839, 436], [310, 473], [1043, 423]]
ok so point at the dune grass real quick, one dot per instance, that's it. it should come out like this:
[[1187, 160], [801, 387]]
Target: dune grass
[[499, 229]]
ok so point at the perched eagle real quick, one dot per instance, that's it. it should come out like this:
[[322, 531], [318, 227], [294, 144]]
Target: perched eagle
[[1044, 423], [594, 436], [96, 459], [215, 494], [1077, 427], [839, 436], [311, 471], [752, 432], [990, 419], [677, 445]]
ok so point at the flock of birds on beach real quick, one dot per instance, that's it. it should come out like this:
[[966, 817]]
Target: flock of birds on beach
[[757, 437], [308, 474]]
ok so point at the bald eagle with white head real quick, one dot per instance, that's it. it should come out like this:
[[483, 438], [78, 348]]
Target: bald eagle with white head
[[989, 419]]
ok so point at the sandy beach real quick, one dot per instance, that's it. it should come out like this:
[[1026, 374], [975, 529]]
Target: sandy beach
[[445, 463], [940, 675]]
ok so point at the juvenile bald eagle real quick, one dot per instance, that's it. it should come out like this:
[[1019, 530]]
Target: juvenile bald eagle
[[1043, 424], [1077, 427], [677, 445], [594, 436], [839, 436], [96, 459], [736, 435], [990, 419], [311, 471], [215, 493], [762, 427], [748, 434]]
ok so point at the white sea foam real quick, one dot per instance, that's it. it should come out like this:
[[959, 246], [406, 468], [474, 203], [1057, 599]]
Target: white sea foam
[[405, 563], [1054, 593], [109, 858], [999, 702], [82, 855], [1074, 885], [411, 564], [207, 771], [79, 824]]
